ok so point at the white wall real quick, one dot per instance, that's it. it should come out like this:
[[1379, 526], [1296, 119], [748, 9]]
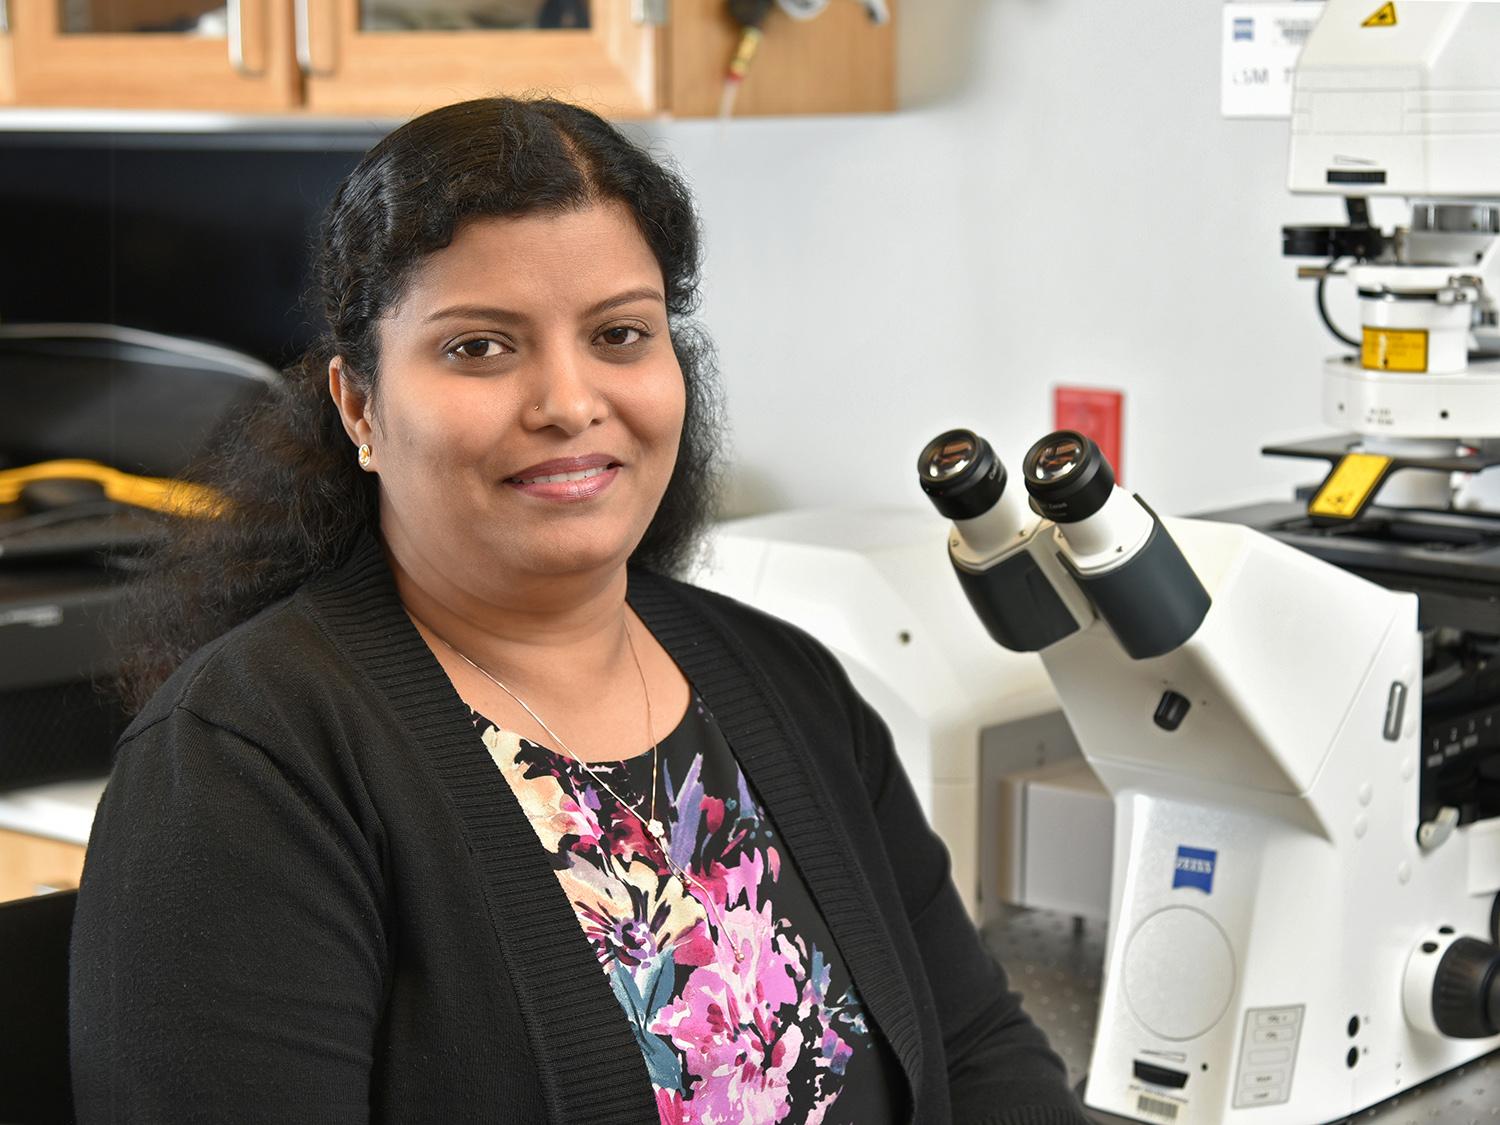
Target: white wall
[[1059, 201]]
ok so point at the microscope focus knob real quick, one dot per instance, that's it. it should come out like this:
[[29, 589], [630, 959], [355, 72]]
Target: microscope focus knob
[[1466, 990]]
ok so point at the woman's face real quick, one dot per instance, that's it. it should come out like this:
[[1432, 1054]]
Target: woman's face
[[529, 403]]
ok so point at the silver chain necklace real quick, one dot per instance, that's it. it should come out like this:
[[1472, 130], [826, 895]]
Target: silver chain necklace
[[653, 827]]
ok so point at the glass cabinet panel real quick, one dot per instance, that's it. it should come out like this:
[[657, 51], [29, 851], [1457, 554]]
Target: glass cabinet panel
[[473, 15], [204, 18], [398, 57]]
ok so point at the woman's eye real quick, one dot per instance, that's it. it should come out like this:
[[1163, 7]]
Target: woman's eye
[[482, 348], [622, 335]]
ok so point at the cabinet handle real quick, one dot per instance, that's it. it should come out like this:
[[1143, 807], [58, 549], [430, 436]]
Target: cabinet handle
[[649, 13], [302, 28], [234, 13]]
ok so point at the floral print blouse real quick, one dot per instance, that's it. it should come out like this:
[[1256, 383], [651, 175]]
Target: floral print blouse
[[780, 1036]]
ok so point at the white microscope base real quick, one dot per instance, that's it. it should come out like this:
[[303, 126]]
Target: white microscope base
[[1056, 963]]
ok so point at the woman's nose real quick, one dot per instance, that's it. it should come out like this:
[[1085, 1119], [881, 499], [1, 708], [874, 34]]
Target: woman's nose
[[564, 394]]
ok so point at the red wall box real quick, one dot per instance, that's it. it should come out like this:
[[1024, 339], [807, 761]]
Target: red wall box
[[1097, 414]]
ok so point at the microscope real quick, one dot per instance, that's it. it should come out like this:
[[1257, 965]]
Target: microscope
[[1287, 944], [1296, 706]]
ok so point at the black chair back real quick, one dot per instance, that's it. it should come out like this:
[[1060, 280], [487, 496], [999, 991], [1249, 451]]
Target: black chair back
[[34, 1085]]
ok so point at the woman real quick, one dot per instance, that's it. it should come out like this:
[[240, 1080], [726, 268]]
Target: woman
[[453, 681]]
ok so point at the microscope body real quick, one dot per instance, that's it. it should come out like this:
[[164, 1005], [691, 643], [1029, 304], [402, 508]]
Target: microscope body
[[1268, 888], [1278, 914]]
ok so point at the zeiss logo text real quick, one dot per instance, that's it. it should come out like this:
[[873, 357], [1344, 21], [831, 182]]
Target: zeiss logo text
[[1194, 868]]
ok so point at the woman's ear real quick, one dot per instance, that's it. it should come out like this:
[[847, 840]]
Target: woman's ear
[[353, 404]]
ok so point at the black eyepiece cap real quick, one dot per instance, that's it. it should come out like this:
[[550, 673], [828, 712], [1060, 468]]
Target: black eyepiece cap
[[1068, 478], [961, 474]]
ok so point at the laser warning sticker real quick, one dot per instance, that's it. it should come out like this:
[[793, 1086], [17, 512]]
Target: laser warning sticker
[[1384, 16], [1194, 868], [1394, 349], [1349, 487]]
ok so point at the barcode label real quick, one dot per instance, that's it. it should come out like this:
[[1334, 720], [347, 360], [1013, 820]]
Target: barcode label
[[1147, 1104]]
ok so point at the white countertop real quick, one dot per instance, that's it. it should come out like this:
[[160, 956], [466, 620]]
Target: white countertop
[[64, 811]]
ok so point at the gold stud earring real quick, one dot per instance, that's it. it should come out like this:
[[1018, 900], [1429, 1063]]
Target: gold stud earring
[[364, 456]]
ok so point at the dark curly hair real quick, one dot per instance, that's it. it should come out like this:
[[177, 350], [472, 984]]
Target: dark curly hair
[[297, 501]]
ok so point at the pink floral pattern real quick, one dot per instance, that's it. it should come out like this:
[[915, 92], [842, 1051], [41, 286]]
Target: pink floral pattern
[[777, 1036]]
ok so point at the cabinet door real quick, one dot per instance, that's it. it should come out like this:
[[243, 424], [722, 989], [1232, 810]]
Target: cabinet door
[[230, 55], [402, 57]]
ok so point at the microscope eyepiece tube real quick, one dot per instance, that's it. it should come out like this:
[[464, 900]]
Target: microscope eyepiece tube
[[1068, 478], [961, 474], [994, 545], [1121, 556], [1073, 484]]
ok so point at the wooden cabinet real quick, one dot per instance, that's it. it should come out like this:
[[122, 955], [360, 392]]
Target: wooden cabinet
[[7, 60], [31, 865], [7, 71], [397, 58], [837, 63]]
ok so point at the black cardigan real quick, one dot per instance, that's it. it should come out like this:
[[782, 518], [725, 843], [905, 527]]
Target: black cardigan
[[310, 897]]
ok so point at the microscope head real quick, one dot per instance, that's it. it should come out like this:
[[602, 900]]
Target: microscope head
[[1404, 101], [1405, 108], [1388, 106]]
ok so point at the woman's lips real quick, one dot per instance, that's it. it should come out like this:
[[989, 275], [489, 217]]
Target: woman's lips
[[570, 480]]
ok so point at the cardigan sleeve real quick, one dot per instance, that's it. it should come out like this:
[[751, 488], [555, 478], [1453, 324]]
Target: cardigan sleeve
[[1001, 1070], [228, 954]]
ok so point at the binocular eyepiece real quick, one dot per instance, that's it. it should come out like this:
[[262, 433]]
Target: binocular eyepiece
[[961, 474], [1068, 478], [1100, 545]]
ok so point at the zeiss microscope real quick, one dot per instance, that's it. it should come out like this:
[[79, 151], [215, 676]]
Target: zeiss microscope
[[1287, 944], [1296, 706]]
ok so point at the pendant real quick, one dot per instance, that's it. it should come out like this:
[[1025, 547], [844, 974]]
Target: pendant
[[654, 827]]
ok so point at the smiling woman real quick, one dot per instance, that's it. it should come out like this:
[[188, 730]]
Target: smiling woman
[[495, 381], [445, 801], [421, 199]]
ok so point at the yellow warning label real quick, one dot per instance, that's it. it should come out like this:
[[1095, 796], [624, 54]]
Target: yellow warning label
[[1394, 349], [1384, 16], [1348, 488]]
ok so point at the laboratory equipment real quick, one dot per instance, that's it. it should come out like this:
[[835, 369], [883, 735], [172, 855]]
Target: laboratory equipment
[[1406, 105], [99, 422], [1288, 943], [1347, 757]]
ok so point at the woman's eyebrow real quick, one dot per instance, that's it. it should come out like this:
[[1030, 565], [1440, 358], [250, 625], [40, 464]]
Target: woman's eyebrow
[[476, 312], [645, 293], [494, 312]]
